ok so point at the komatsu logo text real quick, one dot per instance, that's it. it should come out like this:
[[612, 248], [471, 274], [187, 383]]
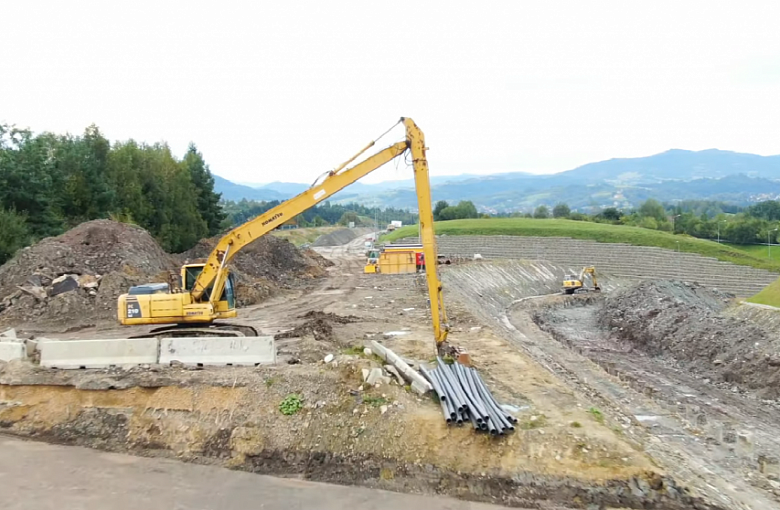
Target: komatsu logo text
[[273, 218]]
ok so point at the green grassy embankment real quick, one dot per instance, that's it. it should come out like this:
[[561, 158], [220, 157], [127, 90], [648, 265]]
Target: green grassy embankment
[[758, 251], [770, 295], [601, 232]]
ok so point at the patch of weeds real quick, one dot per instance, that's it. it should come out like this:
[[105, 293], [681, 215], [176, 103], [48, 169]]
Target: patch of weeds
[[448, 359], [374, 401], [291, 404], [575, 424], [408, 388], [597, 415], [269, 382], [354, 350], [617, 429], [534, 423]]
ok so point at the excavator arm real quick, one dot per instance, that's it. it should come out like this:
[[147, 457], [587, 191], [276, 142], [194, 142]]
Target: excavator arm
[[213, 273]]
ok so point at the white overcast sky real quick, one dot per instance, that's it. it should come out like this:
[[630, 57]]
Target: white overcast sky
[[286, 90]]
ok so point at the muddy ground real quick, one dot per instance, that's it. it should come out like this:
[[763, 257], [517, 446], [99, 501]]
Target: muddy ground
[[581, 440]]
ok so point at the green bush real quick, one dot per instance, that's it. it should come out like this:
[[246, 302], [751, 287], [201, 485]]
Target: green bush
[[291, 404]]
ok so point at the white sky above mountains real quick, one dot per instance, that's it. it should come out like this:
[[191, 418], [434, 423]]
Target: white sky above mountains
[[286, 90]]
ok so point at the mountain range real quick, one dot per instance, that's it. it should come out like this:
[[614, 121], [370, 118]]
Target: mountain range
[[623, 182]]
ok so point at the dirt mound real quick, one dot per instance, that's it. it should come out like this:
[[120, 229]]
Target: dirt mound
[[337, 237], [93, 248], [76, 277], [268, 258], [318, 324], [683, 322]]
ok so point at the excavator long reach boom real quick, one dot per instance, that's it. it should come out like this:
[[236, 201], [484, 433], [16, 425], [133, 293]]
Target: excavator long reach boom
[[213, 278]]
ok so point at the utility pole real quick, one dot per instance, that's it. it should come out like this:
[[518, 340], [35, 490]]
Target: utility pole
[[769, 244], [719, 222]]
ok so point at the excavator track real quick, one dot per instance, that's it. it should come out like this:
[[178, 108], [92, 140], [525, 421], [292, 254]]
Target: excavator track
[[187, 330]]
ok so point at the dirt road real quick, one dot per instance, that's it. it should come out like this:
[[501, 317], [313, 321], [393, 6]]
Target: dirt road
[[561, 454], [39, 476]]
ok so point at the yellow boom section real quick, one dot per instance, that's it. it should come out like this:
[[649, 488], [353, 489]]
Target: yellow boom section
[[240, 236], [422, 183], [337, 180]]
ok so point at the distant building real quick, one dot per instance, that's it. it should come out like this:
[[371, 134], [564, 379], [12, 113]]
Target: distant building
[[289, 224]]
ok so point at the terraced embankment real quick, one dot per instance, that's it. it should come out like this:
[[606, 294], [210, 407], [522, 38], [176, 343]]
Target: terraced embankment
[[705, 433], [620, 260]]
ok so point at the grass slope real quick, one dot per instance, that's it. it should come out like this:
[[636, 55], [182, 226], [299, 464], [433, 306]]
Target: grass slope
[[594, 231], [758, 251], [770, 295]]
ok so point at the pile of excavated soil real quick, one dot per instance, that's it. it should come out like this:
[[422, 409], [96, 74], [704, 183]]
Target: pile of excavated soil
[[74, 280], [685, 323], [318, 324], [76, 277], [337, 238], [268, 258]]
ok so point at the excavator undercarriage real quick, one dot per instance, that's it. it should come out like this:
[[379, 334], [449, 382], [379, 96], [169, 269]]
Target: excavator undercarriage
[[222, 329]]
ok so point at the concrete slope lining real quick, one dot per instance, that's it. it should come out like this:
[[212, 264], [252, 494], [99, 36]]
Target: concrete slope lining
[[617, 259]]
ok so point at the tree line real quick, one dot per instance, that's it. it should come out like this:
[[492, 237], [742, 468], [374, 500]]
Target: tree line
[[326, 213], [50, 183], [704, 219]]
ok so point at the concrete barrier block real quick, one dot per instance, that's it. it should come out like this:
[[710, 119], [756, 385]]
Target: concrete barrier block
[[12, 350], [221, 351], [74, 354]]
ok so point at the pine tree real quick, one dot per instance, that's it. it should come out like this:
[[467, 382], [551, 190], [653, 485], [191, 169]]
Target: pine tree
[[207, 199]]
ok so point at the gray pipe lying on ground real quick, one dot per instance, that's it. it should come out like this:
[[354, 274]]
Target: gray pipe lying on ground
[[464, 397]]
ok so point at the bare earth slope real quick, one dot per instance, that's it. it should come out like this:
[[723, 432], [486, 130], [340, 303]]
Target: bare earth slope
[[684, 322]]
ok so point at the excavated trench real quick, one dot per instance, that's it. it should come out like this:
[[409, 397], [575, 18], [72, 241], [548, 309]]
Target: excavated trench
[[710, 432]]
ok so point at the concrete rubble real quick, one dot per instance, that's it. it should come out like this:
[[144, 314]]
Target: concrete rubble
[[418, 383]]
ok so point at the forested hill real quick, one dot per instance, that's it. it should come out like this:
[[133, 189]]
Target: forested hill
[[50, 182]]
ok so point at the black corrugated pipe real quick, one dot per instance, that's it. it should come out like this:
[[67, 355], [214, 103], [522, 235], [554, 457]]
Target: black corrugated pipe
[[496, 414], [445, 410], [449, 377], [485, 390], [455, 378], [479, 405], [472, 389], [499, 420], [474, 422], [451, 404], [492, 428], [436, 387], [452, 395]]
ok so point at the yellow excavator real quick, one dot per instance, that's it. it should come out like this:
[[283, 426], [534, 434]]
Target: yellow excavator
[[194, 303], [573, 283]]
